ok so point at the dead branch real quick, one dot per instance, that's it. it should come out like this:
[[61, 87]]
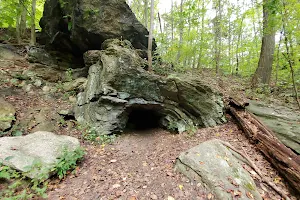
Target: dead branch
[[256, 169]]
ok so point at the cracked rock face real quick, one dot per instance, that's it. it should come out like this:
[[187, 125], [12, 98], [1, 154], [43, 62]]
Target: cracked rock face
[[118, 85], [219, 169]]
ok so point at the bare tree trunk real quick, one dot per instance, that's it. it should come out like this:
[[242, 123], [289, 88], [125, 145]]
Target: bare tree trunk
[[217, 27], [150, 37], [172, 23], [277, 64], [33, 8], [201, 36], [146, 13], [180, 32], [18, 31], [160, 26], [23, 17], [264, 69]]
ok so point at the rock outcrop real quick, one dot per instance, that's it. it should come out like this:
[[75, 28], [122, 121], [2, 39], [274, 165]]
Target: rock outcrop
[[7, 115], [120, 91], [42, 148], [216, 167], [79, 26]]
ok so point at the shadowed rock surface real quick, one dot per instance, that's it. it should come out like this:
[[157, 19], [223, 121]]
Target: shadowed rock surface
[[213, 165], [119, 87], [79, 26]]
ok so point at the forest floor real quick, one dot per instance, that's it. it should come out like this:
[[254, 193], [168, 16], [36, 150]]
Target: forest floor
[[138, 164]]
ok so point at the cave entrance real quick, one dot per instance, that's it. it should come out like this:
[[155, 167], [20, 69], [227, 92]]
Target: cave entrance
[[143, 119]]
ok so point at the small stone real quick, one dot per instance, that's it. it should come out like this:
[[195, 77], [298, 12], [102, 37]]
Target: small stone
[[115, 186], [153, 196], [113, 161], [46, 89], [169, 174], [22, 84], [38, 83], [170, 198], [27, 88], [72, 99]]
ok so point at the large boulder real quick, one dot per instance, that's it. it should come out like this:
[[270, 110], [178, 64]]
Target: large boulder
[[7, 115], [282, 120], [216, 167], [79, 26], [120, 90], [42, 148]]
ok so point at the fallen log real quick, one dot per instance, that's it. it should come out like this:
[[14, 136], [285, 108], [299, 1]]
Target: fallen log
[[283, 159], [237, 103]]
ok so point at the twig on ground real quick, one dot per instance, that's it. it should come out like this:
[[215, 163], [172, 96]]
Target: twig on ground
[[253, 166]]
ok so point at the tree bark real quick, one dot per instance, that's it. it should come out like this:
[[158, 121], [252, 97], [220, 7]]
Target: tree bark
[[217, 27], [150, 37], [146, 13], [199, 64], [23, 17], [33, 9], [264, 69], [283, 159], [180, 32], [18, 29]]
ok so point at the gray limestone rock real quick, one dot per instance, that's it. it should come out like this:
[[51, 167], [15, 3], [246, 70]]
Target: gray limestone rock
[[44, 148], [216, 167], [118, 87]]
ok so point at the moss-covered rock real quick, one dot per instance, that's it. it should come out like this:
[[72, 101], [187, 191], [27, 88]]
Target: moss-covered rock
[[118, 85]]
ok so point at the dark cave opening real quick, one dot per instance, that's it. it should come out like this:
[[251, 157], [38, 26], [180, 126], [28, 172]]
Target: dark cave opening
[[143, 119]]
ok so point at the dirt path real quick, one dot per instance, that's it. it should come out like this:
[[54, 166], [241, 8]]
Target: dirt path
[[139, 165]]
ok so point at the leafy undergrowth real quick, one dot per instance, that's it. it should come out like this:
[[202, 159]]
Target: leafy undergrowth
[[18, 186]]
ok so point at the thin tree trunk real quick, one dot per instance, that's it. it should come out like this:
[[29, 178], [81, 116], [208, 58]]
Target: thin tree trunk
[[146, 13], [172, 21], [18, 31], [180, 32], [160, 26], [150, 37], [278, 53], [23, 17], [217, 26], [33, 9], [199, 64]]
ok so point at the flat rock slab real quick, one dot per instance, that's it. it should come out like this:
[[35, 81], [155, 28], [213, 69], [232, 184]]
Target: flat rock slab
[[284, 121], [215, 166], [42, 148], [7, 115]]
